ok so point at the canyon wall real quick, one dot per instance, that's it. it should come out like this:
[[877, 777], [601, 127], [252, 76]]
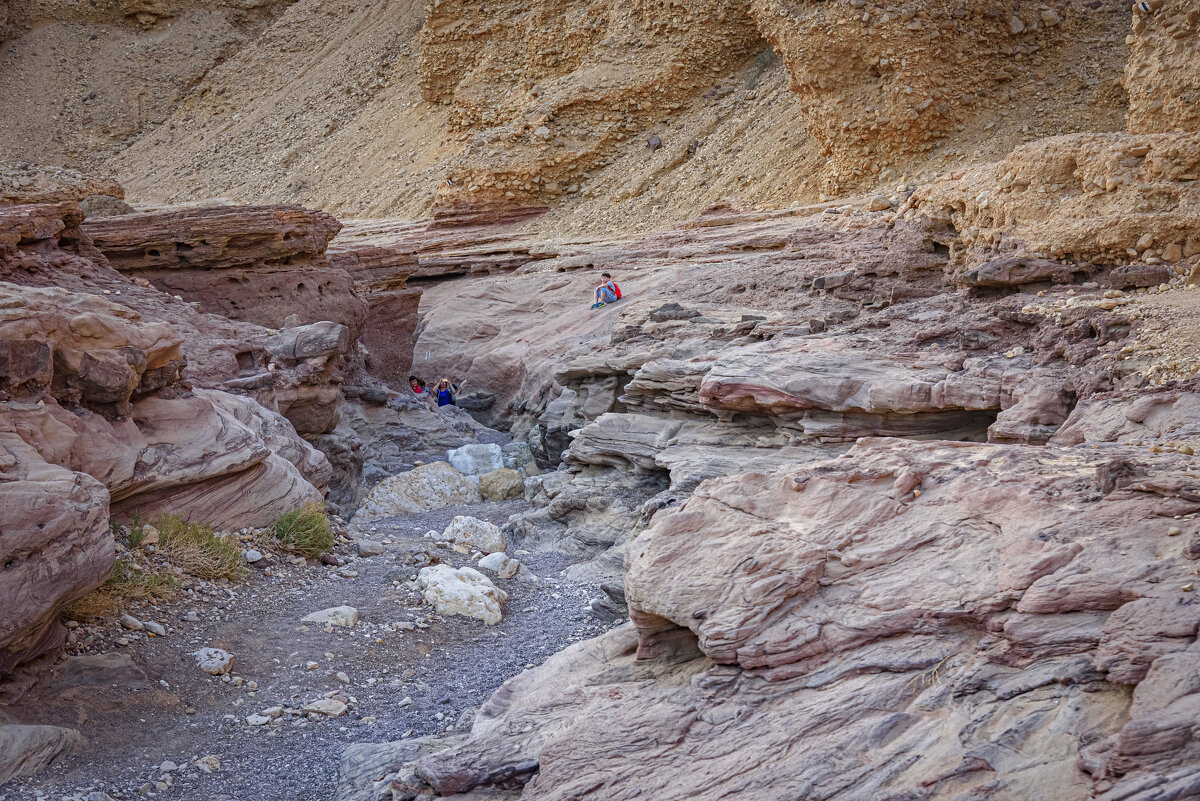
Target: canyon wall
[[612, 116]]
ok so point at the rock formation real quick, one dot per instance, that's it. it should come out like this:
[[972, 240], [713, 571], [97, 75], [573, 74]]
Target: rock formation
[[258, 264], [910, 620]]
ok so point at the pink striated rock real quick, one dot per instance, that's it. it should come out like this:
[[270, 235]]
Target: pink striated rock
[[55, 546], [911, 620]]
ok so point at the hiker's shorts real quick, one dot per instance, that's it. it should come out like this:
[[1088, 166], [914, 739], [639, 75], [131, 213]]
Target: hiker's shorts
[[607, 295]]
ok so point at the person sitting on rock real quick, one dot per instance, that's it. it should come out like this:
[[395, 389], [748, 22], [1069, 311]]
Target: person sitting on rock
[[608, 292], [446, 392]]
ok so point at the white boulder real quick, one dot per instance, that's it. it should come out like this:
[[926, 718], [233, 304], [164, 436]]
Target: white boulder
[[333, 616], [476, 459], [430, 486], [472, 532], [463, 591]]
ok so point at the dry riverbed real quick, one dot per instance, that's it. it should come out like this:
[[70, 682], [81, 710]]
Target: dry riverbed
[[157, 726]]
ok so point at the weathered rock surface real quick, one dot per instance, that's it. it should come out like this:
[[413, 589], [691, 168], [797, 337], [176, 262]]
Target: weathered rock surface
[[1101, 198], [931, 614], [501, 485], [254, 263], [25, 750], [476, 459], [462, 591], [56, 547], [430, 486], [1161, 75], [870, 78]]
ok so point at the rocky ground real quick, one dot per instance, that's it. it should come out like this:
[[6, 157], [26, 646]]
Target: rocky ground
[[401, 671]]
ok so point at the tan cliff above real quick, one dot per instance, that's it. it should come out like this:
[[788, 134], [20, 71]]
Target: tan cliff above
[[616, 116]]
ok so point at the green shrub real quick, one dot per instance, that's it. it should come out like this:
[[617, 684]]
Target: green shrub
[[197, 551], [305, 531]]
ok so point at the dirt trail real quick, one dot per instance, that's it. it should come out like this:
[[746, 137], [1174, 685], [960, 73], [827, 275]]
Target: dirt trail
[[134, 723]]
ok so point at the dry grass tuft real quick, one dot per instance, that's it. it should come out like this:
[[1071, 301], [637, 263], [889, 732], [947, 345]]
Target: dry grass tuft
[[128, 581], [137, 575], [197, 551], [305, 531]]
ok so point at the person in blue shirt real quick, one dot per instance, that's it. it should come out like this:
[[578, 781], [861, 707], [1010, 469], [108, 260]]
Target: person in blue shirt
[[608, 292], [446, 393]]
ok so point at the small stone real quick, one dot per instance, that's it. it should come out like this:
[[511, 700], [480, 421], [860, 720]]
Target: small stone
[[208, 764], [311, 665], [342, 677], [346, 616], [1015, 25], [122, 641], [1188, 587], [214, 661], [167, 767], [191, 617], [253, 556], [879, 203], [257, 720], [369, 548], [132, 623], [272, 712], [157, 629], [330, 707], [1174, 531]]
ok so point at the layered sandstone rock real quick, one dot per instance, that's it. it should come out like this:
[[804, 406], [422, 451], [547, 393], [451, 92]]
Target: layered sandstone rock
[[893, 622], [57, 546], [260, 264], [102, 396], [97, 418]]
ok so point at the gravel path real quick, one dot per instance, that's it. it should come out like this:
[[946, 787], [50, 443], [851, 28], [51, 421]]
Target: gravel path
[[401, 682]]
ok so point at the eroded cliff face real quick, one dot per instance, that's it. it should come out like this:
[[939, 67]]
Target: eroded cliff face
[[1162, 75], [574, 81], [884, 83], [90, 77], [623, 116]]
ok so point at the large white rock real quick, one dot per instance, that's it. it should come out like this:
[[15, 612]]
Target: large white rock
[[475, 533], [477, 459], [430, 486], [463, 591], [334, 616]]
